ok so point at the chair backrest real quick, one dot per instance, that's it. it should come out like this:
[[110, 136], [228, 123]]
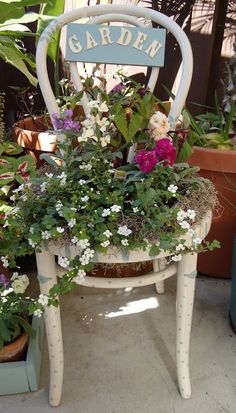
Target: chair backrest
[[116, 13]]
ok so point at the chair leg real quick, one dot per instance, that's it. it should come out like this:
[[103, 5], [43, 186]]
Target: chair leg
[[157, 266], [47, 278], [186, 276]]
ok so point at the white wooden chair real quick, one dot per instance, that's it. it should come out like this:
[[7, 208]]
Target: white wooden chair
[[48, 270]]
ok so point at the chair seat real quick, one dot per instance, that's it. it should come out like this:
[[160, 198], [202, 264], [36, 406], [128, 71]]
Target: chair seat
[[115, 255]]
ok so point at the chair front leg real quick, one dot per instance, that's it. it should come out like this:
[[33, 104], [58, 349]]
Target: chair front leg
[[186, 277], [47, 278]]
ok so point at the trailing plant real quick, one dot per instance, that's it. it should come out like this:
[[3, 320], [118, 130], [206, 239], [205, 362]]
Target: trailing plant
[[90, 197]]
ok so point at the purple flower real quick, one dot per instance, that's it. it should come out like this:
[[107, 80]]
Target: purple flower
[[146, 160], [68, 124], [142, 91], [4, 280], [68, 112], [165, 151], [65, 121], [118, 88]]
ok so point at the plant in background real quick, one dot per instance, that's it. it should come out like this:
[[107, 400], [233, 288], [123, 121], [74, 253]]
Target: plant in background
[[14, 308], [94, 199]]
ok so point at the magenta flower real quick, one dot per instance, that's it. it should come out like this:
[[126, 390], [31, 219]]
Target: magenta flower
[[118, 88], [165, 151], [146, 160]]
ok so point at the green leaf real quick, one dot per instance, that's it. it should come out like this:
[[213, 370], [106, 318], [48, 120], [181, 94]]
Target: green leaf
[[154, 250], [26, 326], [51, 9], [128, 128], [185, 153], [13, 56], [10, 11], [49, 159]]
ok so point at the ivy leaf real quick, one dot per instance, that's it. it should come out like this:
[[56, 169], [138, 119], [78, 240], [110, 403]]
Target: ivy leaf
[[128, 128]]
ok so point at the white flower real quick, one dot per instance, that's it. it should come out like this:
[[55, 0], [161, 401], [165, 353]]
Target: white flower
[[103, 107], [49, 175], [32, 243], [43, 186], [74, 240], [105, 243], [45, 234], [83, 243], [172, 188], [24, 197], [106, 212], [115, 208], [72, 222], [158, 125], [124, 230], [87, 256], [177, 257], [85, 198], [104, 140], [86, 166], [180, 247], [82, 181], [191, 232], [197, 241], [125, 242], [62, 177], [43, 300], [191, 214], [60, 230], [38, 312], [135, 209], [13, 198], [14, 276], [6, 223], [31, 230], [63, 261], [81, 274], [181, 215], [58, 206], [19, 285], [19, 189], [107, 233], [184, 224]]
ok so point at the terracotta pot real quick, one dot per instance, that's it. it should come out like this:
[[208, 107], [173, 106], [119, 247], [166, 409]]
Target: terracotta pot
[[34, 136], [14, 351], [220, 167], [122, 270]]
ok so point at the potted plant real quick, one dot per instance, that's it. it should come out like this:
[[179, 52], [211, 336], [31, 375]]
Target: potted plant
[[214, 137], [94, 199]]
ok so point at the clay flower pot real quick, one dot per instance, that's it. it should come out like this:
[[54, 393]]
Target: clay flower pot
[[220, 167], [14, 351], [34, 136]]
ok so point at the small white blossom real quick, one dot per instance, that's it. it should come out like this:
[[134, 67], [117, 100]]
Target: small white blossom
[[191, 214], [106, 212], [43, 186], [32, 243], [82, 182], [177, 257], [124, 230], [105, 243], [85, 198], [184, 224], [49, 175], [115, 208], [31, 230], [60, 230], [63, 261], [62, 177], [6, 223], [24, 197], [19, 189], [74, 240], [86, 166], [172, 188], [45, 234], [58, 206], [181, 215], [197, 241], [83, 243], [135, 209], [80, 276], [38, 312], [43, 300], [180, 247], [107, 233], [13, 198], [71, 222], [125, 242], [103, 107]]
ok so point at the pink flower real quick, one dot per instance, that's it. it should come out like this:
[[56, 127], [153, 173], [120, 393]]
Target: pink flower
[[165, 151], [146, 160]]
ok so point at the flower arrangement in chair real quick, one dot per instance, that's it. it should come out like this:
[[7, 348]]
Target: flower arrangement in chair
[[94, 199]]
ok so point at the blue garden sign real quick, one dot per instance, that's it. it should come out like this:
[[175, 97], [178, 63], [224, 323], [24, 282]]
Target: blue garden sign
[[95, 43]]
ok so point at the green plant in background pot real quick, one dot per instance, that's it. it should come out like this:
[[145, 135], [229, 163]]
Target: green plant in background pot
[[214, 137], [94, 199]]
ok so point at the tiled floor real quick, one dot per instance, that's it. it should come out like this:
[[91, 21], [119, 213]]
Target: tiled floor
[[119, 354]]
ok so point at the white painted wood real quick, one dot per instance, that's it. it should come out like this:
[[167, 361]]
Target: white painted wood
[[184, 308], [158, 267], [47, 278]]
